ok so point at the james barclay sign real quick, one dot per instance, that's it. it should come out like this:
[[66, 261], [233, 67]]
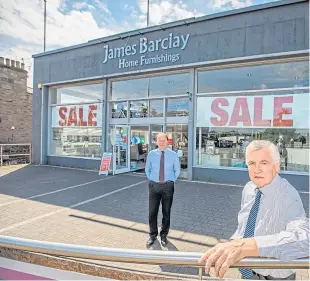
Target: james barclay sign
[[146, 48]]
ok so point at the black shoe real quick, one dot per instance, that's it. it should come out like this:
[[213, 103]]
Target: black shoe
[[150, 242], [164, 241]]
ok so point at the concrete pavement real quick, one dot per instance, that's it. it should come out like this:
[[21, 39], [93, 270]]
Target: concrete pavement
[[81, 207]]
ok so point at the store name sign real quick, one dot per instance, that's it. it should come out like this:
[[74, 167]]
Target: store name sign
[[280, 111], [145, 48], [86, 115]]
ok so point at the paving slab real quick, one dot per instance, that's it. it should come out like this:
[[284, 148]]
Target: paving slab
[[81, 207]]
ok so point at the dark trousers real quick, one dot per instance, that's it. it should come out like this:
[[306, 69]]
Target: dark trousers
[[160, 193], [257, 276]]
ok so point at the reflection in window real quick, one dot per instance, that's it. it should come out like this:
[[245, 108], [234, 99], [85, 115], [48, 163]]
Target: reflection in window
[[129, 89], [157, 108], [269, 76], [225, 147], [177, 107], [77, 94], [85, 142], [178, 141], [119, 109], [169, 85], [138, 109]]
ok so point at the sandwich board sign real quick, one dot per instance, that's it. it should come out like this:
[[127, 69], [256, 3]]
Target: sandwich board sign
[[105, 164]]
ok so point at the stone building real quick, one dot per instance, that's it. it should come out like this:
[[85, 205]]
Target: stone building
[[15, 103]]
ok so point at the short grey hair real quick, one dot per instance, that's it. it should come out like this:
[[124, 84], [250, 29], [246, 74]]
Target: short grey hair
[[261, 144], [162, 135]]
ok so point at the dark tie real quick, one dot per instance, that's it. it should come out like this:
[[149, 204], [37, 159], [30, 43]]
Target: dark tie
[[250, 228], [162, 167]]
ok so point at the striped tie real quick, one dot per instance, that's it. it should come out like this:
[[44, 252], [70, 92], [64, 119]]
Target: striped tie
[[250, 228]]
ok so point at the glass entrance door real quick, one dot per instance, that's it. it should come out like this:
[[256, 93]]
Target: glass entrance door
[[121, 159], [178, 142], [139, 146]]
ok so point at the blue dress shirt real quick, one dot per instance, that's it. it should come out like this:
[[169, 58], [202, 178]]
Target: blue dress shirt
[[172, 165]]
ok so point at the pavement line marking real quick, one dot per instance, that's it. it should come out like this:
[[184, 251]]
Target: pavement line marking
[[51, 181], [68, 168], [214, 183], [52, 192], [70, 207], [140, 175]]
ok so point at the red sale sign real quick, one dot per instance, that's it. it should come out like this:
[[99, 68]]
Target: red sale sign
[[278, 111], [86, 115], [105, 163]]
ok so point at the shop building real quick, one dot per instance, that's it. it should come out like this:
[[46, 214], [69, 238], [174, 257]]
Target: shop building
[[212, 83]]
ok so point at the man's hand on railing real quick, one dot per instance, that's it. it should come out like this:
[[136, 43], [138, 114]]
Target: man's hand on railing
[[226, 254]]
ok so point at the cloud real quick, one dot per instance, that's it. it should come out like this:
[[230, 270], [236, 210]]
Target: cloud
[[102, 6], [231, 4], [62, 29], [82, 6], [162, 11], [22, 21], [143, 6]]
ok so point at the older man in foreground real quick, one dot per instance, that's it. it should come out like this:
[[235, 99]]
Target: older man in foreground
[[271, 223]]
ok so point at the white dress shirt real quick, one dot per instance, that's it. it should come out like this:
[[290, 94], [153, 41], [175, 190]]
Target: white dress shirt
[[282, 228]]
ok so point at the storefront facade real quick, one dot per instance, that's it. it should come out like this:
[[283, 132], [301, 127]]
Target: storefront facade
[[212, 84]]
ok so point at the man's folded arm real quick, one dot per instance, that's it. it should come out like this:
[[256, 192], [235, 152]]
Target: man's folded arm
[[293, 243]]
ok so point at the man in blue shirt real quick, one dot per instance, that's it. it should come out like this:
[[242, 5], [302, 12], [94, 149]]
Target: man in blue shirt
[[162, 169]]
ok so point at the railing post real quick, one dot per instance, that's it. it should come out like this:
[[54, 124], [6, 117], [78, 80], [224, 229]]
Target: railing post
[[30, 153], [1, 159], [200, 273]]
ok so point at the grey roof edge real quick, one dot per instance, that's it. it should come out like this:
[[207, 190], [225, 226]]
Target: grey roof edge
[[165, 26]]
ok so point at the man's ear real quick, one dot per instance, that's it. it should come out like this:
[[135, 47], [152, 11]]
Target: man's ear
[[277, 167]]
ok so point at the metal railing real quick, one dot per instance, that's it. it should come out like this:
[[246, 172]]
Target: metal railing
[[19, 153], [189, 259]]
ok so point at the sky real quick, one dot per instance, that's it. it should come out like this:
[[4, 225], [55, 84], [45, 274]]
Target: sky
[[71, 22]]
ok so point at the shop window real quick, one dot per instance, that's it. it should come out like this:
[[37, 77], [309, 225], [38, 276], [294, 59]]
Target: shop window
[[156, 108], [177, 107], [77, 94], [223, 147], [138, 109], [129, 89], [169, 85], [156, 86], [80, 142], [118, 110], [226, 125], [269, 76], [76, 121]]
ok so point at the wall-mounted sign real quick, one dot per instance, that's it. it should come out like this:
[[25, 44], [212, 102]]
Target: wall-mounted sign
[[145, 48], [280, 111], [86, 115]]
